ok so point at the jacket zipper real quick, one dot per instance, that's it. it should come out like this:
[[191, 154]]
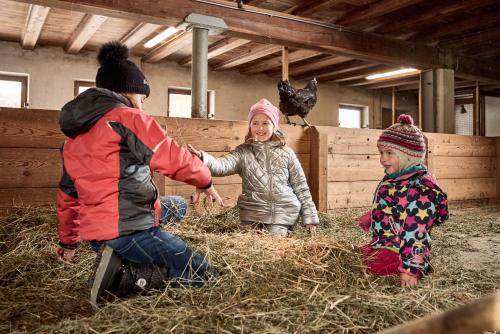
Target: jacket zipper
[[268, 166]]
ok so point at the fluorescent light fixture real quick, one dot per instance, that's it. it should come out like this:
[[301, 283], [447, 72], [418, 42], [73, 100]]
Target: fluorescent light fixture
[[392, 73], [161, 37]]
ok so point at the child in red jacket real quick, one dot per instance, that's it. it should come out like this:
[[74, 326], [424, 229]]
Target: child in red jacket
[[407, 203], [107, 195]]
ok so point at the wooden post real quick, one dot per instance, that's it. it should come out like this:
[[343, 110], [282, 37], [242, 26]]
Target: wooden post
[[498, 168], [284, 63], [420, 102], [393, 105], [319, 167], [429, 142], [476, 317], [476, 118]]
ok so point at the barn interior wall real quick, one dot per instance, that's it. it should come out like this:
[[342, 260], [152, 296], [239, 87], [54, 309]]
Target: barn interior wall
[[52, 74]]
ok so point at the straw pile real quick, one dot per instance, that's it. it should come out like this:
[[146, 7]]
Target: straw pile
[[268, 285]]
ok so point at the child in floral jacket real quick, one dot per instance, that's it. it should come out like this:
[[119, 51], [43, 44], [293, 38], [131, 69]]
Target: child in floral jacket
[[407, 203]]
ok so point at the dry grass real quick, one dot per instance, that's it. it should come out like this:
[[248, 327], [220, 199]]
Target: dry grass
[[269, 284]]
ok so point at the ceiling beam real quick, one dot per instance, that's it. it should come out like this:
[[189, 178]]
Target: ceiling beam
[[215, 49], [377, 84], [85, 30], [283, 29], [308, 8], [355, 74], [293, 57], [136, 35], [374, 10], [343, 67], [246, 57], [33, 26], [171, 45], [473, 39]]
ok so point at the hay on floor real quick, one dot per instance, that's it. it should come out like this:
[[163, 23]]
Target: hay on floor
[[269, 284]]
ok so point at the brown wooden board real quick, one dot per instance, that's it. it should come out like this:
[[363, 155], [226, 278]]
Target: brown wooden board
[[464, 167], [353, 141], [30, 128], [30, 167], [353, 167], [27, 197], [467, 189], [350, 194]]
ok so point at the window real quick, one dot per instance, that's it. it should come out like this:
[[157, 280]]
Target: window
[[463, 119], [350, 116], [179, 103], [81, 86], [13, 91]]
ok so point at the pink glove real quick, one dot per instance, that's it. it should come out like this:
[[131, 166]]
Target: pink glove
[[365, 221]]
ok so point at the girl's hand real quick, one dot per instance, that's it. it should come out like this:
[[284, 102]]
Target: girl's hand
[[65, 254], [311, 228], [194, 151], [408, 280]]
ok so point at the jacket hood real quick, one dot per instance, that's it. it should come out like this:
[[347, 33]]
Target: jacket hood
[[79, 115]]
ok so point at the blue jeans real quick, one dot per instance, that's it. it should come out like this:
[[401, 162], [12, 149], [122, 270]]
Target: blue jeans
[[159, 247]]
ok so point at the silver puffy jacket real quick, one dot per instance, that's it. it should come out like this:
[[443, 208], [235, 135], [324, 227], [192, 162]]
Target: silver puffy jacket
[[275, 189]]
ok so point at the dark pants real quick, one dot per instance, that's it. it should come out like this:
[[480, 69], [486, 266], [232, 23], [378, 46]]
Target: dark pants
[[159, 247]]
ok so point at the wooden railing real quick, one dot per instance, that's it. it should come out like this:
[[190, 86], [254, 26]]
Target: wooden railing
[[342, 165]]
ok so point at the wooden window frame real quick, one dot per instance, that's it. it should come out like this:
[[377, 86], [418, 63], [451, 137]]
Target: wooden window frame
[[23, 79], [82, 83], [187, 91]]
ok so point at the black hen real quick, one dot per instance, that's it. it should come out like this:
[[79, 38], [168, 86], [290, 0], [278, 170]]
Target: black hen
[[297, 101]]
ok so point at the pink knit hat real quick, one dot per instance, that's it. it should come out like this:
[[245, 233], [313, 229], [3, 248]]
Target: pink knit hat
[[266, 108], [404, 137]]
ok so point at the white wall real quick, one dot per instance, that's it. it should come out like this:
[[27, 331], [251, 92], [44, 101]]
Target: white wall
[[492, 116], [52, 74]]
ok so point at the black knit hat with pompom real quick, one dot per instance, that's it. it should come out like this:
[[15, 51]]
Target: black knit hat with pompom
[[117, 73]]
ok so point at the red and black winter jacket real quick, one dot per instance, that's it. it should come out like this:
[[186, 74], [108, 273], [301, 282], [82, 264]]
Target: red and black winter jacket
[[107, 189]]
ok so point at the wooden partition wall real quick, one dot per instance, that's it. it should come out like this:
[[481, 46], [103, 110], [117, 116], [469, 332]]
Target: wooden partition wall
[[347, 169], [342, 165]]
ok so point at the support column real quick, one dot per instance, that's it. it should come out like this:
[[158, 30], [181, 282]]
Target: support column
[[445, 100], [199, 73], [437, 100]]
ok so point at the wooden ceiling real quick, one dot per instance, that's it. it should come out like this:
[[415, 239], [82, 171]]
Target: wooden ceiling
[[339, 41]]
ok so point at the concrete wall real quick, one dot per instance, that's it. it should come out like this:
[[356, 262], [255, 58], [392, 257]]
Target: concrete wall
[[492, 116], [52, 74]]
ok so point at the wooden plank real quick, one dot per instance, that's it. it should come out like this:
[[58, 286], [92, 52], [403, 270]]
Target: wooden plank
[[283, 29], [467, 189], [315, 65], [461, 146], [223, 136], [173, 44], [33, 27], [498, 168], [353, 141], [216, 49], [136, 35], [374, 10], [85, 30], [30, 168], [21, 127], [354, 167], [246, 57], [272, 63], [464, 167], [27, 197], [350, 194], [318, 180]]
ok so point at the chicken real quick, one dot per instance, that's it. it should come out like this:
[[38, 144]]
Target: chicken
[[295, 101]]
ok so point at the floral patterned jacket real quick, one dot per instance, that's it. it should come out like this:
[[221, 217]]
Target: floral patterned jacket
[[405, 208]]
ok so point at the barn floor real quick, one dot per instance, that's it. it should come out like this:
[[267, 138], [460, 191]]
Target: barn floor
[[268, 285]]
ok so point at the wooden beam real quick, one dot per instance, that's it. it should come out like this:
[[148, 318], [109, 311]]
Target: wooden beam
[[438, 11], [317, 64], [33, 26], [349, 66], [374, 10], [293, 57], [136, 35], [253, 54], [307, 8], [284, 63], [473, 39], [268, 26], [476, 124], [356, 74], [173, 44], [377, 84], [393, 105], [215, 49], [85, 30]]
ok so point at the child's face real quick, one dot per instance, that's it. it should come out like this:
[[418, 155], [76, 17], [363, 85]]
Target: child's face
[[389, 160], [261, 128]]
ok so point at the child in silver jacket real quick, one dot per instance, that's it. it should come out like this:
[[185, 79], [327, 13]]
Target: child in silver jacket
[[275, 191]]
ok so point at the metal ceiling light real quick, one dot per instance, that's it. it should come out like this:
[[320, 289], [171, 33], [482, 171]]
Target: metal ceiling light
[[400, 72], [161, 37]]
